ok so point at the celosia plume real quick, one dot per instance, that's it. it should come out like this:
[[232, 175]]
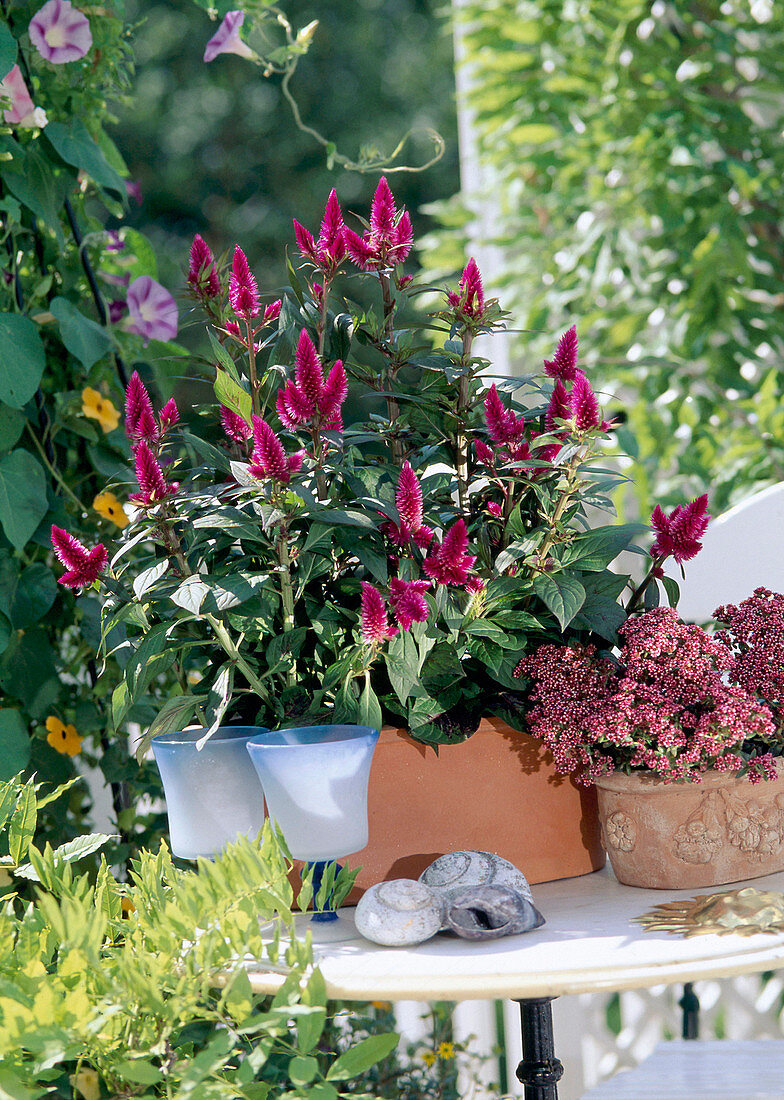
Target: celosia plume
[[678, 535], [243, 291], [389, 239], [140, 422], [450, 562], [153, 485], [563, 365], [374, 626], [503, 426], [329, 250], [585, 407], [202, 273], [169, 415], [308, 397], [83, 565], [235, 426], [408, 501], [269, 458], [408, 602], [560, 407], [470, 301]]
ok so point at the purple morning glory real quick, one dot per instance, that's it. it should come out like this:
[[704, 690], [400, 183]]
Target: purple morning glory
[[60, 32], [153, 311], [227, 38]]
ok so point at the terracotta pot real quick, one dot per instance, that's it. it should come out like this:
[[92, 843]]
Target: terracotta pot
[[675, 836], [496, 792]]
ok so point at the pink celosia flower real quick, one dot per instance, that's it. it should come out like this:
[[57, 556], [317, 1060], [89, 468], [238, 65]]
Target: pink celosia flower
[[140, 422], [235, 426], [678, 535], [153, 311], [408, 501], [154, 486], [585, 407], [390, 237], [227, 38], [560, 407], [21, 112], [374, 626], [269, 459], [329, 250], [60, 32], [450, 562], [83, 565], [202, 273], [503, 426], [243, 291], [309, 397], [408, 602], [485, 454], [495, 509], [470, 301], [563, 365], [169, 415], [272, 312]]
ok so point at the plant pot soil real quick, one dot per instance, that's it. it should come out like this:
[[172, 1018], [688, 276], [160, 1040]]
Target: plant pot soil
[[498, 792], [681, 835]]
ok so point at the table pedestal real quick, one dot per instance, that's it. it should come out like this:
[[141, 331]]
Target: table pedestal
[[540, 1071]]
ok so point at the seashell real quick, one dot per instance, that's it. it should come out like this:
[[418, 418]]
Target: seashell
[[399, 913], [475, 869], [489, 911]]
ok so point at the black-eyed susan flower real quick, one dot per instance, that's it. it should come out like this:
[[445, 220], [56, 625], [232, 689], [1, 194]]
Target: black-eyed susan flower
[[108, 506], [446, 1050], [63, 739], [428, 1057], [100, 408]]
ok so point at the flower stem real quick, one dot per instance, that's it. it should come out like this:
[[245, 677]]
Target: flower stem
[[254, 382], [461, 441], [55, 473], [393, 408]]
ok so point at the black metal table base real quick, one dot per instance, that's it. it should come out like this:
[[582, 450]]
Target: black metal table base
[[540, 1071]]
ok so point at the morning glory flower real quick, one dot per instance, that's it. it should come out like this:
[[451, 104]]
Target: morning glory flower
[[153, 311], [60, 32], [21, 110], [227, 38]]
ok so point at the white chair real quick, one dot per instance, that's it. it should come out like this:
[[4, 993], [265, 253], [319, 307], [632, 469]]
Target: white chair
[[742, 549], [702, 1070]]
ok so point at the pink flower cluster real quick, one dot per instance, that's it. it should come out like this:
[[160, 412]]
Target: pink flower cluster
[[754, 634], [329, 250], [469, 301], [666, 708], [310, 398], [146, 434], [389, 239], [83, 566]]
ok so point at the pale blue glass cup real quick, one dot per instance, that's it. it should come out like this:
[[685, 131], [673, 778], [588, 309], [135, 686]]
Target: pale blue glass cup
[[213, 794], [315, 781]]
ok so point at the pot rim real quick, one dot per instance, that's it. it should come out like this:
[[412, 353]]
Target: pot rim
[[646, 782], [224, 735]]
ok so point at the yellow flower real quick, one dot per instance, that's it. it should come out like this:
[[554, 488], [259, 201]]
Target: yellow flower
[[100, 408], [428, 1057], [63, 739], [382, 1006], [127, 907], [87, 1083], [108, 506], [446, 1050]]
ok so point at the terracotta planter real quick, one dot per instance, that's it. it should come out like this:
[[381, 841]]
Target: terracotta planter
[[681, 835], [496, 792]]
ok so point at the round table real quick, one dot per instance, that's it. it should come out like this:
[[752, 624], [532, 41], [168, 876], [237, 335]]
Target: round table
[[587, 945]]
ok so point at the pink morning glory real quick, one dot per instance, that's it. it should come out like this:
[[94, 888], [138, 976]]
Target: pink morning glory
[[21, 112], [227, 38], [153, 311], [60, 32]]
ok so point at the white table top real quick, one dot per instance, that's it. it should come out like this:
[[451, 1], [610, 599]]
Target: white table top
[[587, 945]]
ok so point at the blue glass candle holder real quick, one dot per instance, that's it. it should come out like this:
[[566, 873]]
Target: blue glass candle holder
[[315, 781], [213, 794]]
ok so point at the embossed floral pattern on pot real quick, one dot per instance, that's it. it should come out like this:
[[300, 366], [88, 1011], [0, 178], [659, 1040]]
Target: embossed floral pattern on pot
[[620, 831]]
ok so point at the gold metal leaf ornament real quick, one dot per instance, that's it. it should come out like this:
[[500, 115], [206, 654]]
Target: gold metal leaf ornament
[[745, 912]]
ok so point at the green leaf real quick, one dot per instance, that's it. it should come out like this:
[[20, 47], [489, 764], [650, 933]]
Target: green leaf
[[218, 698], [14, 743], [174, 715], [12, 1088], [561, 594], [23, 502], [232, 395], [22, 359], [27, 596], [140, 1071], [74, 144], [87, 341], [359, 1059], [369, 710], [33, 182], [21, 828], [5, 632], [223, 357], [147, 578], [302, 1070], [402, 661], [8, 48], [12, 424], [672, 588], [69, 852], [594, 551]]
